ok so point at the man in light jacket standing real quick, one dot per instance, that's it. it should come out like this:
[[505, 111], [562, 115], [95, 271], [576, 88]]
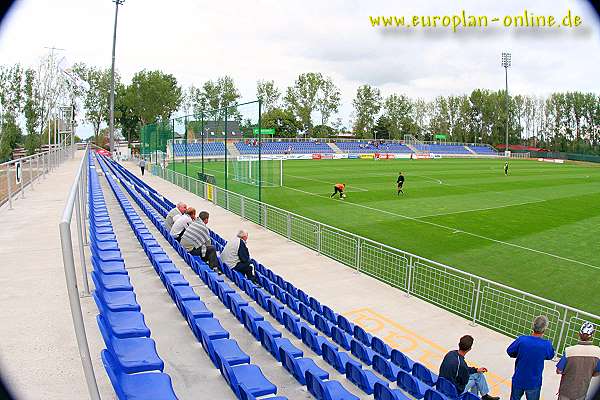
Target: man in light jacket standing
[[530, 352], [236, 255], [578, 365]]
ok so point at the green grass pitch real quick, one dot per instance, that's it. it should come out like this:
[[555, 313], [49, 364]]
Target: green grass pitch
[[536, 229]]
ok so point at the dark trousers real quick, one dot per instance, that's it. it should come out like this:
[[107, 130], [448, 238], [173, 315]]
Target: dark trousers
[[142, 168], [245, 269], [336, 191], [210, 257]]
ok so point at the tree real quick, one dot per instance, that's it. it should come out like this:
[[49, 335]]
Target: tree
[[31, 111], [215, 95], [302, 100], [398, 113], [96, 93], [267, 92], [125, 115], [367, 105], [283, 121], [153, 95], [11, 94], [380, 130], [328, 99], [10, 135]]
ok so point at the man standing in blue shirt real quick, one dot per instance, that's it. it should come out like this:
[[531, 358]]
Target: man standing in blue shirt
[[530, 353]]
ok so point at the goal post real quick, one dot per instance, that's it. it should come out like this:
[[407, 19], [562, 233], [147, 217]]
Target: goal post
[[257, 172]]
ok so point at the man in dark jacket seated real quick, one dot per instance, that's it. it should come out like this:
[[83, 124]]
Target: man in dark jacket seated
[[455, 369]]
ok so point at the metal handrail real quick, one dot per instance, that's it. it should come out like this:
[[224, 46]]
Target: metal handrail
[[76, 201]]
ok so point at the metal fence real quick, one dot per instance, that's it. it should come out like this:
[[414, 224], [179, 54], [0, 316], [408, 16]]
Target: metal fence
[[482, 301], [31, 169], [77, 201]]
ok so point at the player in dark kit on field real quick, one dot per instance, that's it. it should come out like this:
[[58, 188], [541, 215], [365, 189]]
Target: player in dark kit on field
[[506, 168], [338, 188], [400, 182]]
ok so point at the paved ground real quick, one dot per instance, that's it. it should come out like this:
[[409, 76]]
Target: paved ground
[[422, 330]]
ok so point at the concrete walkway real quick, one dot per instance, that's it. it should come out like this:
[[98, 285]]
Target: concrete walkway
[[39, 358], [423, 331]]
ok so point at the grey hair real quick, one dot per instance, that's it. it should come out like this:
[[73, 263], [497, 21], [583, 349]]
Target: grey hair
[[181, 203], [241, 233], [540, 324]]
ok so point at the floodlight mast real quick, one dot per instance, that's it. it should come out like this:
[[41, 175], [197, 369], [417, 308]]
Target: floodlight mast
[[111, 129], [506, 65]]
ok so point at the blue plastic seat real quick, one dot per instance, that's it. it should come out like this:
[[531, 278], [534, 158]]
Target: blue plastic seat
[[116, 301], [246, 395], [275, 309], [337, 359], [362, 352], [222, 290], [341, 337], [424, 374], [385, 367], [292, 303], [251, 376], [166, 267], [224, 350], [174, 279], [432, 394], [312, 339], [401, 360], [184, 293], [298, 367], [211, 327], [303, 297], [253, 326], [261, 297], [362, 336], [125, 324], [293, 324], [146, 386], [109, 267], [330, 315], [111, 283], [411, 385], [469, 396], [382, 348], [345, 325], [275, 345], [193, 309], [447, 388], [327, 390], [383, 392], [315, 305], [323, 325], [362, 378], [306, 312]]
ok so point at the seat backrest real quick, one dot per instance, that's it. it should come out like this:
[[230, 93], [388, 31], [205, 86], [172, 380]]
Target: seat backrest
[[245, 393], [329, 314], [446, 387], [292, 290], [230, 378], [315, 385], [291, 324], [266, 339], [357, 349], [469, 396], [423, 373], [308, 337], [383, 392], [399, 359], [113, 374], [303, 297], [322, 325], [306, 313], [356, 375], [382, 366], [315, 305], [361, 335], [345, 324], [339, 337], [330, 355], [380, 347], [407, 383], [106, 335], [289, 362], [274, 309]]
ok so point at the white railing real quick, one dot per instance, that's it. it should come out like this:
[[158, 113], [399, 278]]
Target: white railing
[[30, 170], [78, 196], [480, 300]]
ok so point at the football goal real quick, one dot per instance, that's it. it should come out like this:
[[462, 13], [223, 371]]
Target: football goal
[[255, 172]]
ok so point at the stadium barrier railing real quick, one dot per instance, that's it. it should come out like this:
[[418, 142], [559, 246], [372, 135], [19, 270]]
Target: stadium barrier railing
[[31, 169], [77, 201], [482, 301]]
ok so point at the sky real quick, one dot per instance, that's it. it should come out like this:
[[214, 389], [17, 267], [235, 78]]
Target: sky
[[198, 40]]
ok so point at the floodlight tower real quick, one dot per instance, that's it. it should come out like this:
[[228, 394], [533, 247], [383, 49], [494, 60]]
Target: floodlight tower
[[506, 64], [111, 130]]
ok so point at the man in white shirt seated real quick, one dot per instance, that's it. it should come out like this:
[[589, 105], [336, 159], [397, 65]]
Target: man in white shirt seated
[[180, 225], [196, 239], [174, 214], [236, 255]]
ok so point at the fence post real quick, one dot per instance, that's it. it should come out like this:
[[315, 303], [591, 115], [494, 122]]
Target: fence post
[[409, 272], [562, 340], [477, 294], [264, 207], [22, 183], [86, 287], [242, 207], [37, 168], [358, 243], [9, 187], [289, 226], [31, 173], [318, 238]]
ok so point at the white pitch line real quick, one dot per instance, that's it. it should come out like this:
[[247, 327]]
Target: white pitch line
[[455, 230], [329, 183], [480, 209]]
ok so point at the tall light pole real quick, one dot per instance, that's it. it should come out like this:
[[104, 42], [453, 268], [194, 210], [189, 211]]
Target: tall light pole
[[506, 64], [111, 128]]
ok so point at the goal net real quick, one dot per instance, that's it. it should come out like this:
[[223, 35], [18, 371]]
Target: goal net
[[255, 172]]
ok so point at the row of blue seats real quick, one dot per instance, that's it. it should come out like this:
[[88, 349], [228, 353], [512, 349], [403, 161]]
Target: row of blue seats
[[390, 363], [130, 358], [302, 368], [246, 380]]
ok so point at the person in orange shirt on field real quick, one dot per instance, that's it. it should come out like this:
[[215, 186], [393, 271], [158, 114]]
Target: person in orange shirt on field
[[339, 188]]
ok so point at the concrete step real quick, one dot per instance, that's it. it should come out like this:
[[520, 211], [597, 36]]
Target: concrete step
[[334, 147]]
